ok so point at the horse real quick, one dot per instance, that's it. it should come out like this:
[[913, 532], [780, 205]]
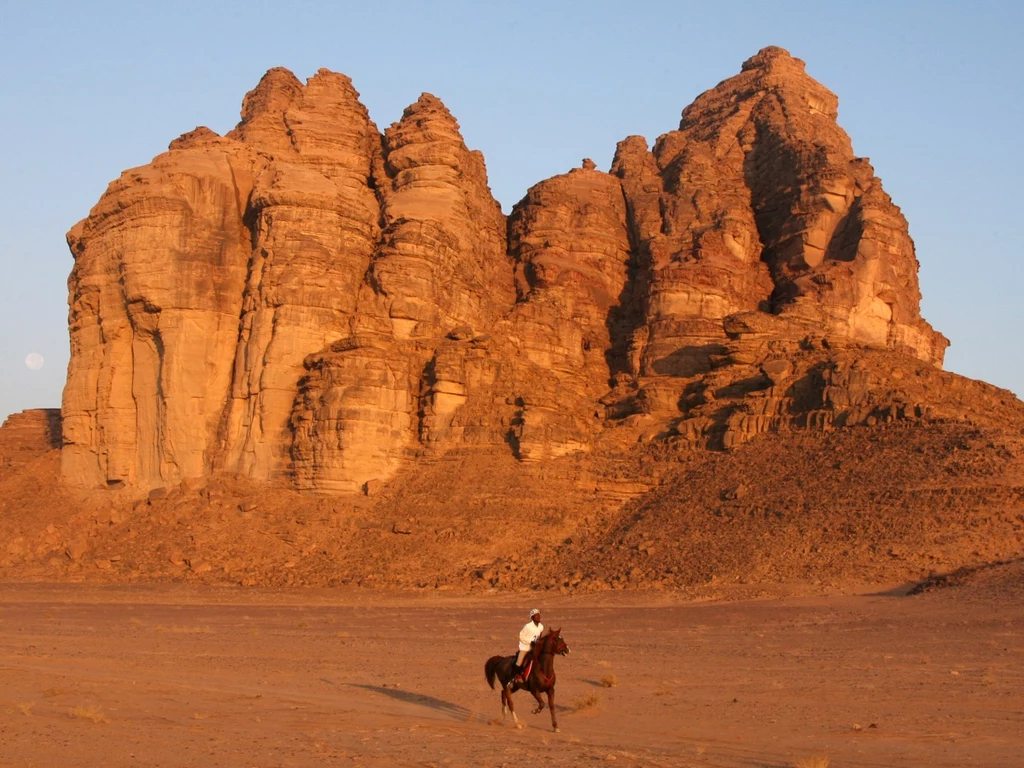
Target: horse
[[541, 679]]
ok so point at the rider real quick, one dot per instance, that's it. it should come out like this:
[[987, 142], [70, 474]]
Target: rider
[[527, 637]]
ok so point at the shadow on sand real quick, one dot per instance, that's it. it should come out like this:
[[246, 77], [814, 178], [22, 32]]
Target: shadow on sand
[[454, 711], [440, 705]]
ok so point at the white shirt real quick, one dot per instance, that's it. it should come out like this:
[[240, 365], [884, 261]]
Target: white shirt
[[528, 634]]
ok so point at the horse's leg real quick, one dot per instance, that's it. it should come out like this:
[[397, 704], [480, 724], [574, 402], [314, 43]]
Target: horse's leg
[[500, 674], [508, 697], [551, 706], [540, 702]]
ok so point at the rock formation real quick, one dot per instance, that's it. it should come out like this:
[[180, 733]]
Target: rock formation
[[312, 303], [26, 435]]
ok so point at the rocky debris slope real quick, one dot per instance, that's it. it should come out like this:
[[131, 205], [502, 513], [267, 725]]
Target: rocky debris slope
[[889, 503], [884, 504], [310, 303]]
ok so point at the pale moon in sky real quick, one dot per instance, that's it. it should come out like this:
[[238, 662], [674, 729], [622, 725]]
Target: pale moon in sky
[[34, 361]]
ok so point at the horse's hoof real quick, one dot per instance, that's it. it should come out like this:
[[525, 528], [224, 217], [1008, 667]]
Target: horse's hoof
[[556, 729], [520, 726]]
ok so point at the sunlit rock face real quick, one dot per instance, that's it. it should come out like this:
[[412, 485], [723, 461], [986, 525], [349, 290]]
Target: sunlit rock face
[[439, 265], [156, 292], [757, 202], [29, 434], [310, 302]]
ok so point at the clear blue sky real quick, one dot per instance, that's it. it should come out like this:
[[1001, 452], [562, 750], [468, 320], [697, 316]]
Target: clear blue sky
[[930, 91]]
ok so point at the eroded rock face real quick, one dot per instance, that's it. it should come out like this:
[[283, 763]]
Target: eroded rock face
[[757, 202], [313, 224], [155, 297], [441, 260], [28, 434], [439, 265], [310, 302], [572, 252]]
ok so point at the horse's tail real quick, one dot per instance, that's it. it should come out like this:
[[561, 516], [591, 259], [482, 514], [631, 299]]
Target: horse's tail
[[491, 669]]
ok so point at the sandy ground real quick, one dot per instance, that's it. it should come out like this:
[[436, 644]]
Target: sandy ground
[[175, 676]]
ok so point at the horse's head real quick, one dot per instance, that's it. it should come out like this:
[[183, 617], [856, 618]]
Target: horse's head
[[556, 644]]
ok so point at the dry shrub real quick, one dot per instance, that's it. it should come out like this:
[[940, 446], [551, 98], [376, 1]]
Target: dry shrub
[[25, 707], [589, 701], [609, 681], [91, 712], [818, 761]]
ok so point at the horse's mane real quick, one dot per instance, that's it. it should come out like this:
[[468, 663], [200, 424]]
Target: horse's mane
[[544, 643]]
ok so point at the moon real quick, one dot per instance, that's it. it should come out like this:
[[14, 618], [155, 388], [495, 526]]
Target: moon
[[34, 361]]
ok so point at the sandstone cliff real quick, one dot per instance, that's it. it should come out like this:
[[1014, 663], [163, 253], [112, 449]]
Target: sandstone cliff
[[28, 435], [311, 303]]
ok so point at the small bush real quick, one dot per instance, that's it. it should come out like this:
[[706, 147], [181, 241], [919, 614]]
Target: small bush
[[89, 712], [819, 761], [609, 681], [586, 702]]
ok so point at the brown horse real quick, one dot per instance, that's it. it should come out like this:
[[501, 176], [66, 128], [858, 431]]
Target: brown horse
[[541, 679]]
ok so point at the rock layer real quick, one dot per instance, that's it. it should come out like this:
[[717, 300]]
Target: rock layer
[[26, 435], [309, 302]]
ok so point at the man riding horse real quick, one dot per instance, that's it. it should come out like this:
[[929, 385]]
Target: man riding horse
[[538, 677], [528, 635]]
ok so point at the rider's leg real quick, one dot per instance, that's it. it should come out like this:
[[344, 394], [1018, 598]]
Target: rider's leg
[[517, 666]]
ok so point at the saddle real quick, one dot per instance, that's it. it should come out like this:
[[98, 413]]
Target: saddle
[[524, 674]]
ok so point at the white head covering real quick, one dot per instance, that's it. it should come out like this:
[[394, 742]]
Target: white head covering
[[534, 612]]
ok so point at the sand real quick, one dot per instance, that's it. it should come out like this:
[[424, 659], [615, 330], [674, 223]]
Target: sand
[[201, 676]]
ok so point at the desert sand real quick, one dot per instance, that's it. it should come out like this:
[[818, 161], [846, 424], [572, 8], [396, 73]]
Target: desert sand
[[193, 675]]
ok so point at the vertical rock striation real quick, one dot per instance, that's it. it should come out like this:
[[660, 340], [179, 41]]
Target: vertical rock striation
[[569, 239], [439, 265], [314, 224], [155, 296]]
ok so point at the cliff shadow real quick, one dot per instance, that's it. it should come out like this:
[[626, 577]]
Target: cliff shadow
[[627, 317], [54, 428], [691, 360]]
